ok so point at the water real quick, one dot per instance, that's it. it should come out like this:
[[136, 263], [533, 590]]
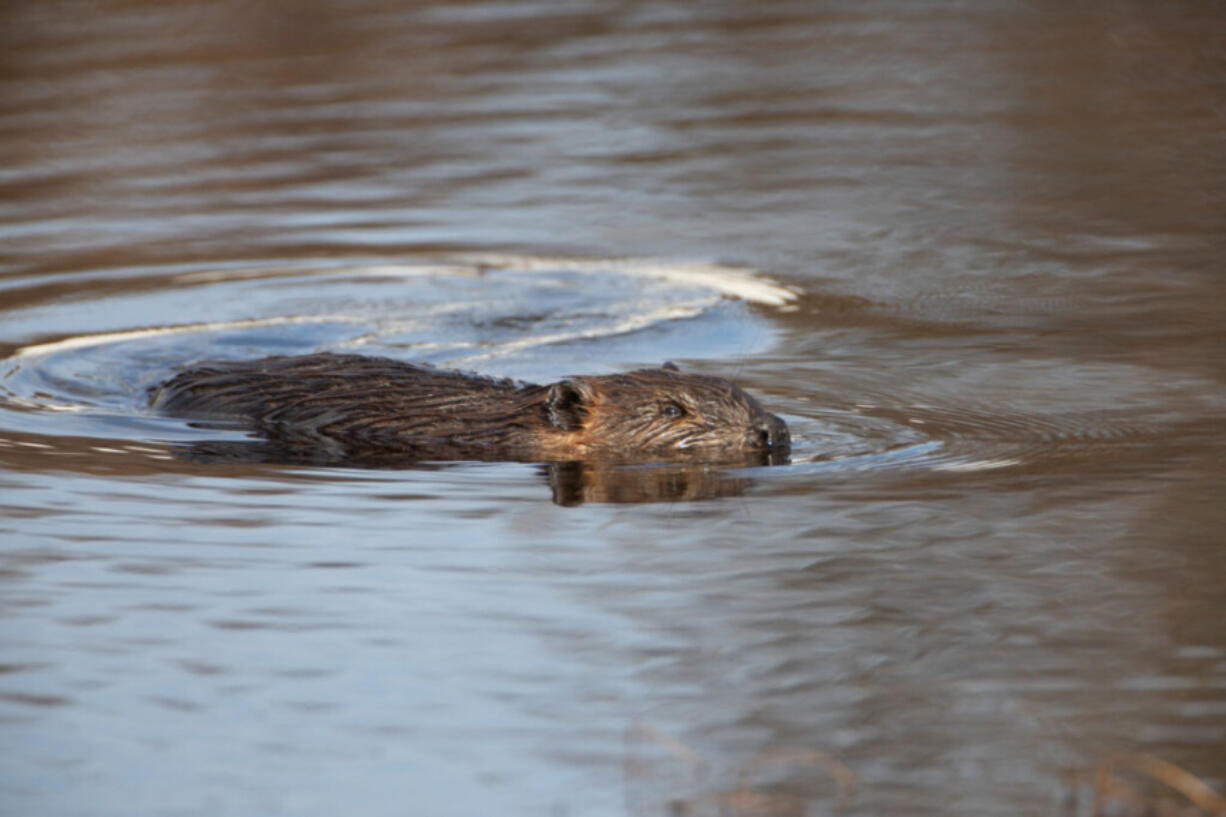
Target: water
[[972, 254]]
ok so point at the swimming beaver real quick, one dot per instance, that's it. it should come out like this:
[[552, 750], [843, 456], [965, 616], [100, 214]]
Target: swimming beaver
[[351, 408]]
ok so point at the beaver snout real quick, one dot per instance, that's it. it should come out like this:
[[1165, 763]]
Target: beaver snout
[[770, 433]]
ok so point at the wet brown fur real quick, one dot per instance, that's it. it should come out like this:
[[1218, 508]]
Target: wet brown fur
[[350, 407]]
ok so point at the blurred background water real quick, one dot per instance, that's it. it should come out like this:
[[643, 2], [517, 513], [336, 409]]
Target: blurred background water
[[971, 251]]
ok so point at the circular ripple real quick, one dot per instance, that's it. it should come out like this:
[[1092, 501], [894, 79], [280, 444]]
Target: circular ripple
[[514, 315]]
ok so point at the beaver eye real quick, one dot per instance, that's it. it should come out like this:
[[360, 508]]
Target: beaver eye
[[672, 411]]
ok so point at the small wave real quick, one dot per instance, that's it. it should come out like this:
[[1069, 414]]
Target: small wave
[[714, 280], [744, 283], [105, 338]]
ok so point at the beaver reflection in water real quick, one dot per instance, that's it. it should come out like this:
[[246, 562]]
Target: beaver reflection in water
[[350, 408]]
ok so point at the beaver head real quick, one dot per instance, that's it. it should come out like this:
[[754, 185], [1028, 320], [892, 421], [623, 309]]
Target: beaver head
[[660, 412]]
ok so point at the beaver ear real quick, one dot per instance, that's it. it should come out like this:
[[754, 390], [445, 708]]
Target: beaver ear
[[566, 405], [669, 366]]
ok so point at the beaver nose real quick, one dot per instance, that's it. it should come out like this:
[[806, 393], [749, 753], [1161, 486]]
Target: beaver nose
[[770, 432]]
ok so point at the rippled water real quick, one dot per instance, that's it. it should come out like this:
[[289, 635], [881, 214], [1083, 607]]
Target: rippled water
[[971, 252]]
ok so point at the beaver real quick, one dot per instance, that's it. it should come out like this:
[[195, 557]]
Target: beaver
[[341, 408]]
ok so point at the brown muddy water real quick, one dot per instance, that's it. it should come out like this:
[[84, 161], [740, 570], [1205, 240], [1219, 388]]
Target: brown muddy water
[[972, 252]]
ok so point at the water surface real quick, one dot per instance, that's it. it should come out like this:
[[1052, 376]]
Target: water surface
[[971, 252]]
